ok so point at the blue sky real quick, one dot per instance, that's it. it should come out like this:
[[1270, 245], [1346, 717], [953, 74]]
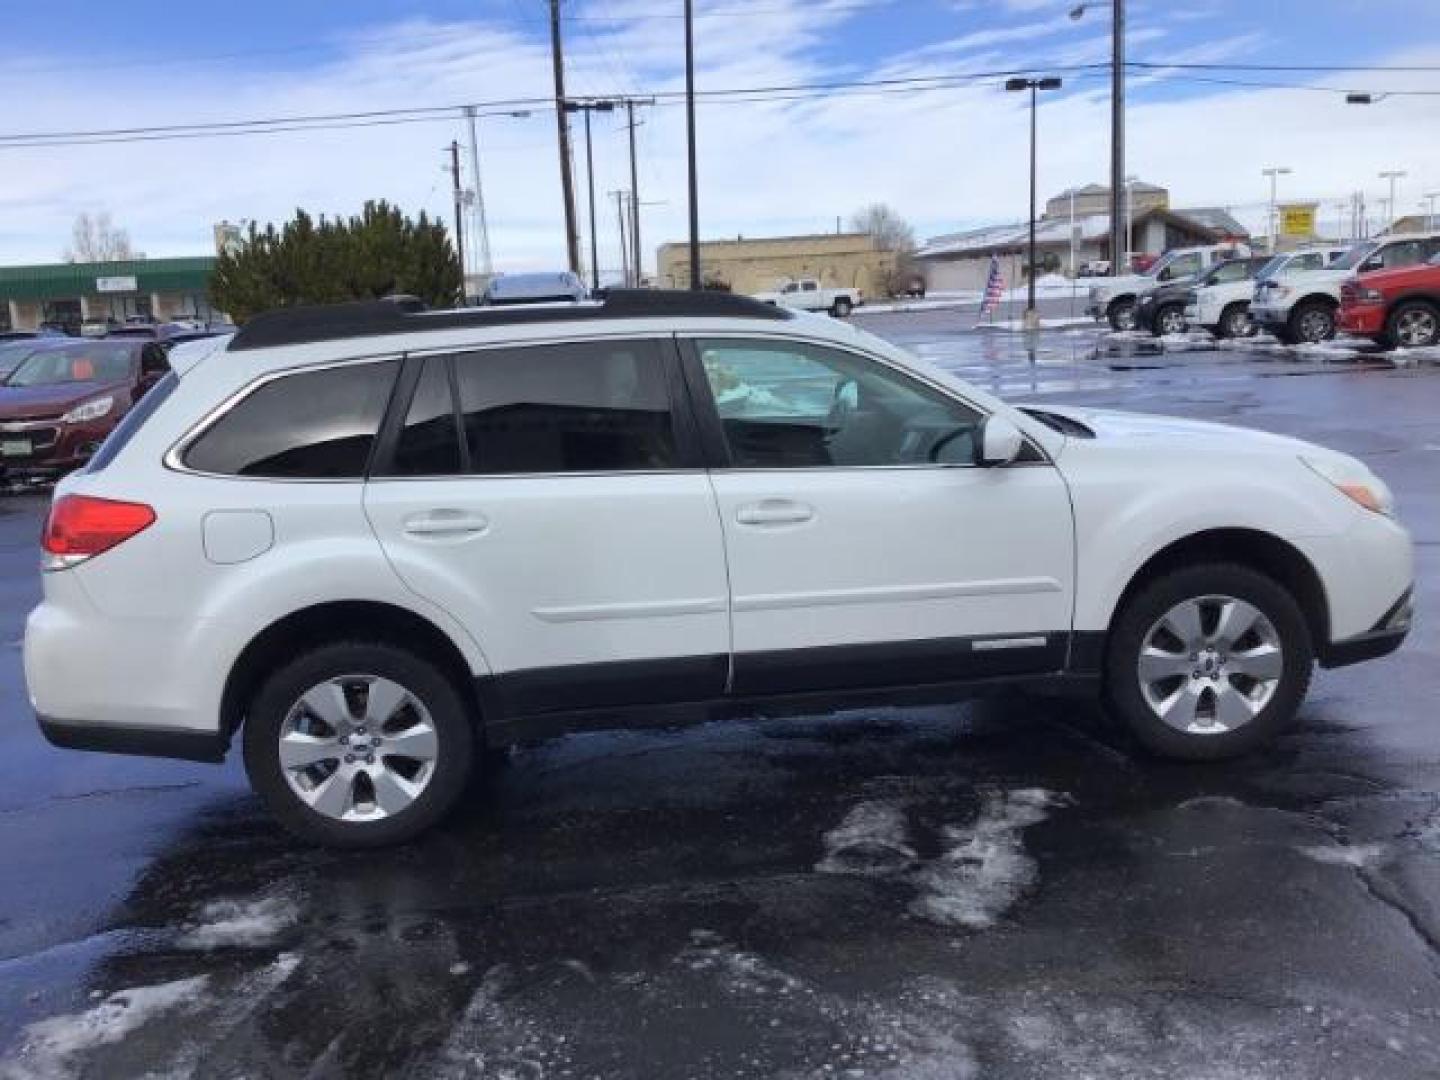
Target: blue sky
[[944, 159]]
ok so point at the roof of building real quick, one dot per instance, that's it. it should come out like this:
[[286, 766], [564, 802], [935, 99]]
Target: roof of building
[[59, 281], [1104, 189], [1056, 231], [1216, 219]]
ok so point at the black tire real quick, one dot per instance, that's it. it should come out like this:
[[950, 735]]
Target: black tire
[[1412, 324], [842, 307], [1164, 313], [1121, 314], [1311, 322], [1149, 605], [278, 694], [1235, 322]]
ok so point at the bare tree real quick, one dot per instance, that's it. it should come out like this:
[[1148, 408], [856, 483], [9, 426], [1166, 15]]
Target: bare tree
[[892, 234], [94, 238], [890, 230]]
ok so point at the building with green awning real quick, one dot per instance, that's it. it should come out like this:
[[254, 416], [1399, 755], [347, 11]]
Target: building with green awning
[[68, 294]]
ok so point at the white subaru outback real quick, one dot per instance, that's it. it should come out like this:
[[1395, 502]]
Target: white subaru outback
[[372, 540]]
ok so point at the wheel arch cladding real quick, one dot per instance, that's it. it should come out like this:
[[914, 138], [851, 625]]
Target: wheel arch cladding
[[356, 620], [1260, 551]]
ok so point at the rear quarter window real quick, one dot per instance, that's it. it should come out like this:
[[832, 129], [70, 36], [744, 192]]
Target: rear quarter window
[[318, 425], [133, 421]]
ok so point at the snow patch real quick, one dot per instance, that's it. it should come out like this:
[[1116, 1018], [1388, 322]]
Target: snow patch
[[869, 841], [739, 971], [987, 868], [240, 924], [1358, 856], [48, 1048]]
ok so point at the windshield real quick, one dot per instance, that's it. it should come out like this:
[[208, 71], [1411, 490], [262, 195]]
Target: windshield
[[1354, 257], [12, 353], [1271, 266], [89, 362], [1160, 264]]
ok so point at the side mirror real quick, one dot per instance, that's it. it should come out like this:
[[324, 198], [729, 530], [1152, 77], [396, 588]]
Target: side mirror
[[1000, 443]]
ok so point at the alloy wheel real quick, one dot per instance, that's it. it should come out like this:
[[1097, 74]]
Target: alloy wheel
[[1210, 665], [1172, 321], [1238, 324], [1417, 327], [1315, 326], [358, 748]]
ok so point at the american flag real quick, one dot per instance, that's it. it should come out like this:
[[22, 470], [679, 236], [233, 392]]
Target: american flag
[[994, 288]]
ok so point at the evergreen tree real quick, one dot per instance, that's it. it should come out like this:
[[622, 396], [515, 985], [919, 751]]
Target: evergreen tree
[[379, 252]]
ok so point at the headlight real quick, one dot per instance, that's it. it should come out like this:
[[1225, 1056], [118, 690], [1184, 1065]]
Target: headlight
[[93, 409], [1355, 482]]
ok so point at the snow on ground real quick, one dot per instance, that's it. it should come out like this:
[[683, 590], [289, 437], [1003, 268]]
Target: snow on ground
[[982, 872], [1359, 856], [1411, 357], [50, 1048], [1014, 325], [240, 924]]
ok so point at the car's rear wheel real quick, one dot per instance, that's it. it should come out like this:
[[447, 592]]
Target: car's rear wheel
[[841, 307], [358, 744], [1414, 324], [1312, 322], [1121, 314], [1170, 319], [1208, 662], [1235, 322]]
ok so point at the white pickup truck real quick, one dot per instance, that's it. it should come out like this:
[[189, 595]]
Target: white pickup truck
[[807, 294], [1115, 299]]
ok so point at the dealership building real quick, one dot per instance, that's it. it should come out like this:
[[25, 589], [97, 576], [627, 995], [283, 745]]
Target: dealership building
[[68, 294]]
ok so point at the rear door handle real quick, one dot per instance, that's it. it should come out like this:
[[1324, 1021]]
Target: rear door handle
[[446, 523], [774, 512]]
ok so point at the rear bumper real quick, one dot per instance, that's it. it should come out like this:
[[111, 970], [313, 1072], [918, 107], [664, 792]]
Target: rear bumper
[[145, 742]]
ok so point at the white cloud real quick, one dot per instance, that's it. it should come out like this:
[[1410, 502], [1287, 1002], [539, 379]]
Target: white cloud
[[945, 159]]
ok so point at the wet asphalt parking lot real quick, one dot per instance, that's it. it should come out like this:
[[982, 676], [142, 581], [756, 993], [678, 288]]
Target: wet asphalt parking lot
[[1004, 889]]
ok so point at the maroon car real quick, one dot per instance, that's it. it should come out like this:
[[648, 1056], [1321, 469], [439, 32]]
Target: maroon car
[[58, 405]]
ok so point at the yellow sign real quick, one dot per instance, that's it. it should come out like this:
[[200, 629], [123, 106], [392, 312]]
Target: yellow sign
[[1298, 220]]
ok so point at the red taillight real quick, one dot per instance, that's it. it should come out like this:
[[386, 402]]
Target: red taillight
[[80, 526]]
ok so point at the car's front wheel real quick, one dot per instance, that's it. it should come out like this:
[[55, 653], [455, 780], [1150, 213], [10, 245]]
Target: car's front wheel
[[358, 744], [1208, 662], [1235, 322], [841, 307], [1312, 322], [1121, 314], [1169, 320]]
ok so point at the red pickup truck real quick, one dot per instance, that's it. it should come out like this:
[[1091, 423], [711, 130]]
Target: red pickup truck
[[1399, 308]]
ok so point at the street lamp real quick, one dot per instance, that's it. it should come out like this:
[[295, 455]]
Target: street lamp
[[1274, 174], [588, 107], [1393, 211], [487, 266], [1117, 117], [1032, 319], [1430, 198]]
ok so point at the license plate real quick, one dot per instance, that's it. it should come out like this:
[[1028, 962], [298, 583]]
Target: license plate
[[15, 448]]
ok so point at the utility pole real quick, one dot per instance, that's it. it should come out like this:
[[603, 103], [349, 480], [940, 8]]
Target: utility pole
[[635, 261], [562, 122], [1392, 208], [1119, 242], [588, 107], [459, 210], [487, 267], [620, 200], [695, 282]]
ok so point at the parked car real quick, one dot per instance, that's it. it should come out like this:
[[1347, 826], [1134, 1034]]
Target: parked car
[[1304, 307], [1397, 308], [1220, 301], [170, 334], [1116, 299], [65, 397], [807, 294], [562, 286], [660, 507]]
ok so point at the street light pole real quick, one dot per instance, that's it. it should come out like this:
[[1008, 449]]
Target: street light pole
[[1392, 175], [1118, 241], [1032, 318], [1430, 213], [588, 107]]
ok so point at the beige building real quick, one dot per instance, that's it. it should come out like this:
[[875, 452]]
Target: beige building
[[838, 260]]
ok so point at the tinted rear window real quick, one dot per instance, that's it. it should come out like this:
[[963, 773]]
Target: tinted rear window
[[310, 425]]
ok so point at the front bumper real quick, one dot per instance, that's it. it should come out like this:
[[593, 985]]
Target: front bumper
[[1383, 639], [1362, 320], [49, 447]]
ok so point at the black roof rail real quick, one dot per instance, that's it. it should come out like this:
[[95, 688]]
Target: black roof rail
[[404, 315]]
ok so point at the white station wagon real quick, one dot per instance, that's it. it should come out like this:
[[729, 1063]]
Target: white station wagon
[[373, 540]]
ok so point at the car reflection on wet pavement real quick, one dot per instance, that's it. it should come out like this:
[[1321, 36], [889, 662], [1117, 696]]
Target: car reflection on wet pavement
[[1001, 889]]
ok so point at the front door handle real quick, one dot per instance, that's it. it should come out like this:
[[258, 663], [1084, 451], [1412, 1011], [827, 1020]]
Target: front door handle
[[446, 523], [774, 512]]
